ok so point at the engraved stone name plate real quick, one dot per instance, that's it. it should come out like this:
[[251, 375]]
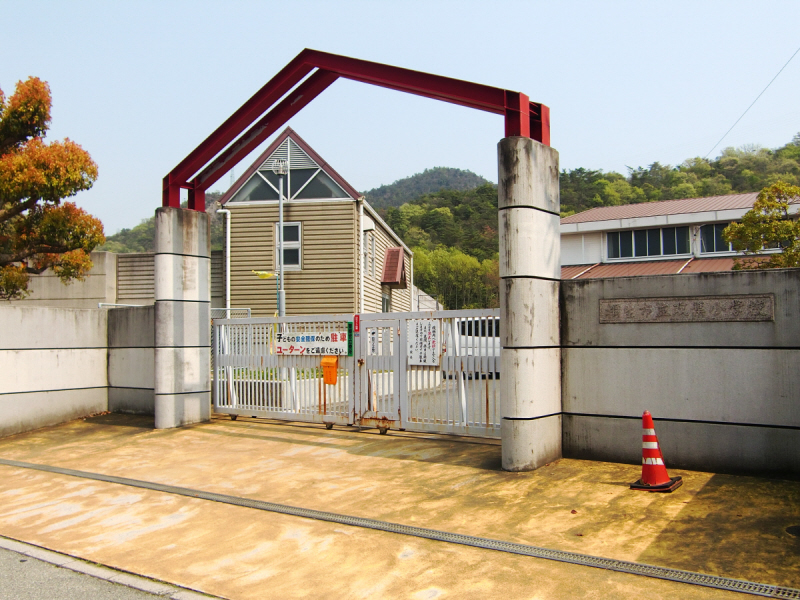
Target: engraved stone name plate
[[689, 309]]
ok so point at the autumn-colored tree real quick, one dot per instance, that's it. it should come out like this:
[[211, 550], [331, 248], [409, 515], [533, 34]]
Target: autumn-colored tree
[[37, 230], [768, 226]]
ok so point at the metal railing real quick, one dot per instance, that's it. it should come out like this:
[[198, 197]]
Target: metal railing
[[230, 313]]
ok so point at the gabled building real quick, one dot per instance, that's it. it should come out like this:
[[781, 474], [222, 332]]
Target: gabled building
[[652, 238], [339, 255]]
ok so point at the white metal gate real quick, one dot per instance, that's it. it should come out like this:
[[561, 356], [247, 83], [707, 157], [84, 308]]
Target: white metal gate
[[380, 371], [379, 385], [251, 378]]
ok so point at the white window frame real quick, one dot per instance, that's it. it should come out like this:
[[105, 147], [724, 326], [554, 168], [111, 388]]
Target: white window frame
[[290, 245], [372, 254], [364, 252], [729, 252], [649, 257]]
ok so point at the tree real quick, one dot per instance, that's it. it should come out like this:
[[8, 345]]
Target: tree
[[455, 279], [37, 230], [768, 225]]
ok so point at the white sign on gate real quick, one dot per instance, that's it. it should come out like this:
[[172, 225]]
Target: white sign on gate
[[332, 343], [424, 341], [373, 342]]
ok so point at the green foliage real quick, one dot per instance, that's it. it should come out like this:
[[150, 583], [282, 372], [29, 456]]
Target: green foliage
[[455, 279], [427, 182], [141, 238], [454, 237], [768, 225], [37, 230], [735, 170], [466, 220]]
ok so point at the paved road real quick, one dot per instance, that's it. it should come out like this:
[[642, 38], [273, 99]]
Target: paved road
[[25, 578]]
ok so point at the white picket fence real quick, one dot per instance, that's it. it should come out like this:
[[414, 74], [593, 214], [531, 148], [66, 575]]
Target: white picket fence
[[378, 383]]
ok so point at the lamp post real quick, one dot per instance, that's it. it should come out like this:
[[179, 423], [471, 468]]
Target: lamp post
[[280, 167]]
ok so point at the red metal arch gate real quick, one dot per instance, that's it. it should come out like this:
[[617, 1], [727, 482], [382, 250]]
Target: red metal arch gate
[[302, 80]]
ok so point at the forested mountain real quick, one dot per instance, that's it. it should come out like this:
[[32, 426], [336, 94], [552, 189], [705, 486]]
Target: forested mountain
[[430, 180], [141, 238], [734, 171]]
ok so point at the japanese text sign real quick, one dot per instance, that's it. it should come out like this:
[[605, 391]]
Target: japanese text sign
[[424, 342], [315, 343]]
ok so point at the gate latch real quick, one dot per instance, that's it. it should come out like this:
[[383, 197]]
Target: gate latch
[[330, 368]]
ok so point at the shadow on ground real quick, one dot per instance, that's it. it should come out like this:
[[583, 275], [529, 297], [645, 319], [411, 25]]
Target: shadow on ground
[[735, 526]]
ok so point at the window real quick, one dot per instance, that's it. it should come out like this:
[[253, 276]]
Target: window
[[386, 301], [305, 179], [711, 238], [292, 245], [372, 255], [665, 241], [365, 252], [481, 328]]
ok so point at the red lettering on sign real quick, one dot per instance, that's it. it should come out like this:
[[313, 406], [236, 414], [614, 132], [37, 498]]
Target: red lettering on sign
[[356, 323]]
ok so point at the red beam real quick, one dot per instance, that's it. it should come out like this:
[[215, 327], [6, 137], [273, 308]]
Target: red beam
[[475, 95], [540, 124], [197, 199], [269, 124], [517, 111]]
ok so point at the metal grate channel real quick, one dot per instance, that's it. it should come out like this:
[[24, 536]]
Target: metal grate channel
[[723, 583]]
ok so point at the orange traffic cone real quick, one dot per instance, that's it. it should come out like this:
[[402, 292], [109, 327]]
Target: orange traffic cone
[[654, 474]]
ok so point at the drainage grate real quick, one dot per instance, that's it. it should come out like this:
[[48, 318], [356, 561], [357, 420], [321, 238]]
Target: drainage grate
[[723, 583]]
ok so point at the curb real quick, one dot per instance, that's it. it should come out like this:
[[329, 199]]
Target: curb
[[65, 561]]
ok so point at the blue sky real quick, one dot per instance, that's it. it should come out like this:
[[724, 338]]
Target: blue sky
[[140, 84]]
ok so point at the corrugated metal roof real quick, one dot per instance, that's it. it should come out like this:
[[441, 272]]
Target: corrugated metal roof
[[632, 269], [665, 207], [653, 267], [572, 271], [709, 265]]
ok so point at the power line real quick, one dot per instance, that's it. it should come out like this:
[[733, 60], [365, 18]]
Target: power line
[[754, 101]]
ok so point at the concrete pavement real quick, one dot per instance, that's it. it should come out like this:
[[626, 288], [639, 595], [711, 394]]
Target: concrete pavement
[[718, 524], [31, 573]]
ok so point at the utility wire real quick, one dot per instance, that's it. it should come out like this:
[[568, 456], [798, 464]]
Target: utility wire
[[754, 101]]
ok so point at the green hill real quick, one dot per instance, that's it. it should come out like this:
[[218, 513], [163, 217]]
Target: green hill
[[736, 170], [427, 182], [141, 238]]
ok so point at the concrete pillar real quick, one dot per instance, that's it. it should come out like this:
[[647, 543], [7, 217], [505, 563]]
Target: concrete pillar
[[530, 276], [182, 317]]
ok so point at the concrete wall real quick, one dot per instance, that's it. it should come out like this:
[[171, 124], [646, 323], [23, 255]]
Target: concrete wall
[[60, 364], [725, 395], [100, 285], [54, 366], [131, 338]]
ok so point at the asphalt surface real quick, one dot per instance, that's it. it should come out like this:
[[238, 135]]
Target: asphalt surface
[[25, 578]]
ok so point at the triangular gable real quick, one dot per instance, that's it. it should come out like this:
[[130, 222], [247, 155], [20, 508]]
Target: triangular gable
[[310, 177]]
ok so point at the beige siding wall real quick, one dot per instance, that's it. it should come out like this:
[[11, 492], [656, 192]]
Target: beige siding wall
[[217, 279], [327, 282], [401, 299], [135, 278]]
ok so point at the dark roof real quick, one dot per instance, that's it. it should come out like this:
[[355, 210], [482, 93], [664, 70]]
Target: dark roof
[[665, 207], [289, 133]]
